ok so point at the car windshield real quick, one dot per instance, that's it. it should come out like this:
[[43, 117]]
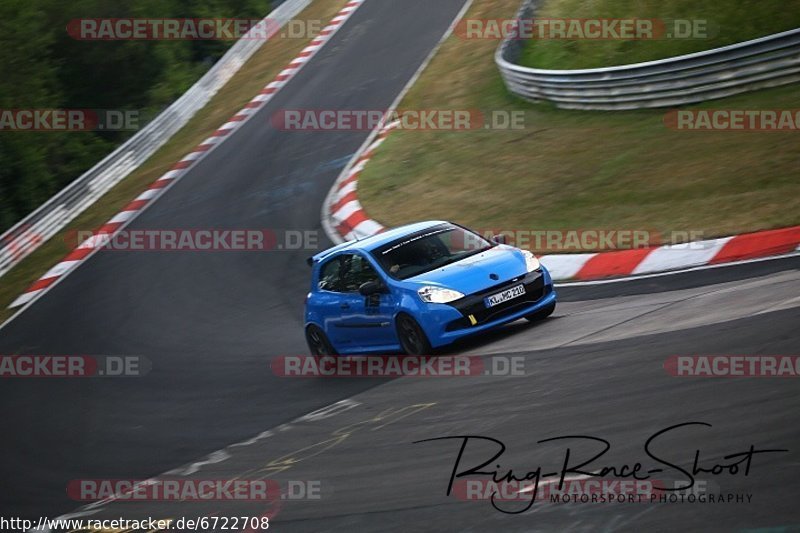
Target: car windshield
[[429, 249]]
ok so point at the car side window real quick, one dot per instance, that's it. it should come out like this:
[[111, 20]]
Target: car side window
[[355, 271], [329, 275]]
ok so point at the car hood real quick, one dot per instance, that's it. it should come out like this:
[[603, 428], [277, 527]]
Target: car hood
[[475, 273]]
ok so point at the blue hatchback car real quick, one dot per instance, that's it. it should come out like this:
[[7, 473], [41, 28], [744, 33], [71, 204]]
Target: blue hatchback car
[[420, 287]]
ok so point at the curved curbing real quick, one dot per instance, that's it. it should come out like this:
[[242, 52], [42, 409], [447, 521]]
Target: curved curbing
[[344, 218]]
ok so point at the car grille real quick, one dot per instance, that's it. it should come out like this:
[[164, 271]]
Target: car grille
[[474, 304]]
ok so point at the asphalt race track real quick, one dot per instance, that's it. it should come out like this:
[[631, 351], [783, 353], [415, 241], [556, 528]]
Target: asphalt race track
[[211, 323], [595, 368], [208, 323]]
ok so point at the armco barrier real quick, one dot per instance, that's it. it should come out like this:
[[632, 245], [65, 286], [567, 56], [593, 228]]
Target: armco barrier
[[28, 234], [760, 63]]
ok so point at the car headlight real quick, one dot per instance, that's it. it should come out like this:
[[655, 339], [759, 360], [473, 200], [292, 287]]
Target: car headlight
[[531, 263], [438, 295]]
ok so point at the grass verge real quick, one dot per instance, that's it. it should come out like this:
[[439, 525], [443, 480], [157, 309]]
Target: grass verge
[[262, 67], [717, 23], [575, 169]]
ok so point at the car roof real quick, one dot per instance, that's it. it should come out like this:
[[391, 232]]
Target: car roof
[[376, 241]]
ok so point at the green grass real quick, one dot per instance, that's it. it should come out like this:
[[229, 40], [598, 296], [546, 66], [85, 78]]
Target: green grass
[[257, 72], [728, 22], [576, 169]]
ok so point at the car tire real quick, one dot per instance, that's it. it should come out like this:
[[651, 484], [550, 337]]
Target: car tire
[[318, 343], [413, 340], [541, 314]]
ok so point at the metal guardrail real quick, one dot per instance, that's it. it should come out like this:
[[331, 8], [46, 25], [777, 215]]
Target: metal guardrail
[[52, 216], [760, 63]]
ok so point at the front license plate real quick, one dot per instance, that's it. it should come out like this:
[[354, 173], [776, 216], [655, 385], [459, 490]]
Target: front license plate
[[506, 295]]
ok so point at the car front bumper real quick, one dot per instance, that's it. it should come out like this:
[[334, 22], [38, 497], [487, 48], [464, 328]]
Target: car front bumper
[[445, 323]]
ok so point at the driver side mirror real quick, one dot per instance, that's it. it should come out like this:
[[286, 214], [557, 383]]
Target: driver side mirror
[[371, 287], [500, 239]]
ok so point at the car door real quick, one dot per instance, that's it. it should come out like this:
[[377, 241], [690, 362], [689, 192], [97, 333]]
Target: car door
[[329, 301], [365, 320]]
